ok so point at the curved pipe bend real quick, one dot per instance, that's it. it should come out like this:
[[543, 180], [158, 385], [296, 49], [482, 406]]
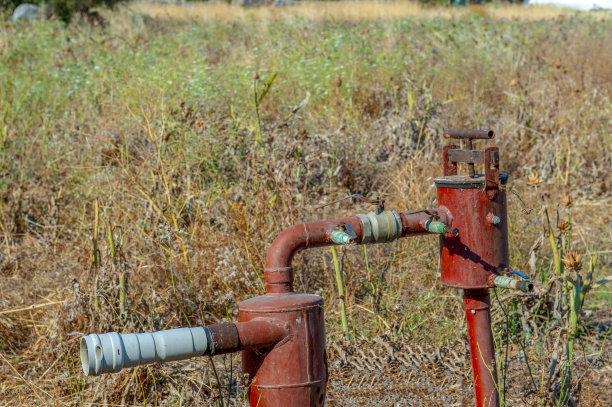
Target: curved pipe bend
[[278, 272]]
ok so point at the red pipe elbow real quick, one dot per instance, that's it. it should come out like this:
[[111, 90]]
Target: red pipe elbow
[[278, 272]]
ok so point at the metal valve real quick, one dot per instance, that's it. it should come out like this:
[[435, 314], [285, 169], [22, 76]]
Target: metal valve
[[435, 226], [343, 234]]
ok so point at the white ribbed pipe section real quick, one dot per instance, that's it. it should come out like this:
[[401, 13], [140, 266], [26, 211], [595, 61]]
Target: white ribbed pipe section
[[111, 352]]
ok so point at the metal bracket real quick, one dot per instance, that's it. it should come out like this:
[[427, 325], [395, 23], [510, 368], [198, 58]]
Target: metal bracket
[[450, 167], [491, 165], [466, 156], [452, 156]]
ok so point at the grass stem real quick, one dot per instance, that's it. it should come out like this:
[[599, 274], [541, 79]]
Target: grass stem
[[341, 294]]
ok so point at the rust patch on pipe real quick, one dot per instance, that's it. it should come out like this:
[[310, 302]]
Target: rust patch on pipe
[[224, 337], [233, 337]]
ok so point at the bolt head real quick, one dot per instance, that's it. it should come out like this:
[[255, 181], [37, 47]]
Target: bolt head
[[493, 219]]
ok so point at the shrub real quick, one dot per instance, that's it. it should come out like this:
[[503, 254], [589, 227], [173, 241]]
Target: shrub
[[65, 9]]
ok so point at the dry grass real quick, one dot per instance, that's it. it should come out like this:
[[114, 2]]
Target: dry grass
[[145, 130], [343, 11]]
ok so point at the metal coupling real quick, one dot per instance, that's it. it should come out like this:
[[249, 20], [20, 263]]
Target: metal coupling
[[383, 227], [434, 226], [509, 282]]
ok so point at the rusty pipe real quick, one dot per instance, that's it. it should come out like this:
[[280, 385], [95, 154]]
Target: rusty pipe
[[414, 222], [278, 271], [236, 336], [469, 134]]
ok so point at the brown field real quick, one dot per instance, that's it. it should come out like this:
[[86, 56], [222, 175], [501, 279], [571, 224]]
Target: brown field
[[141, 185], [344, 10]]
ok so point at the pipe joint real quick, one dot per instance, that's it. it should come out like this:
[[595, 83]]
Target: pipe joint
[[509, 282], [381, 228], [279, 280]]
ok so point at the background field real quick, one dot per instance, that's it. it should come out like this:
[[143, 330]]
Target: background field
[[141, 185]]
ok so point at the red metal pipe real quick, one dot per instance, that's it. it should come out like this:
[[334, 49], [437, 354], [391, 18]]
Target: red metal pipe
[[261, 333], [278, 271], [413, 222], [477, 305], [237, 336]]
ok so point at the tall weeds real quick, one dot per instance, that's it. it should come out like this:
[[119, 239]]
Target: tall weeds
[[145, 171]]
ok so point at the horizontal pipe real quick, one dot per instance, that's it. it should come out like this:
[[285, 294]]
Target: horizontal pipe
[[261, 333], [509, 282], [369, 228], [413, 222], [236, 336], [470, 134], [111, 352]]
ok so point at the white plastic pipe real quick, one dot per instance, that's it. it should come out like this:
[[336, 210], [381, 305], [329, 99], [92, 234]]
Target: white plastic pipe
[[111, 352]]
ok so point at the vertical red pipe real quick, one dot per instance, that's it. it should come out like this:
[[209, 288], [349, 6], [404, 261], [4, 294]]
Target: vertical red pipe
[[477, 305]]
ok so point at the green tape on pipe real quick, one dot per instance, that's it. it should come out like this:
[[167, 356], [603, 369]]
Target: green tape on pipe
[[434, 226]]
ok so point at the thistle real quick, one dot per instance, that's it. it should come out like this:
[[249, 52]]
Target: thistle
[[563, 226], [572, 260], [534, 180]]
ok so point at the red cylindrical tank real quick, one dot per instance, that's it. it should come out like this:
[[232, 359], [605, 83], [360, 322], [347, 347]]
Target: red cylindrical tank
[[481, 249], [293, 372], [470, 260]]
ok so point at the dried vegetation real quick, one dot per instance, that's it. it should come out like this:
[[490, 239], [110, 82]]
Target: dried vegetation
[[140, 187]]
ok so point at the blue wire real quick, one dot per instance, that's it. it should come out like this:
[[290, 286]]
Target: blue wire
[[518, 273]]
